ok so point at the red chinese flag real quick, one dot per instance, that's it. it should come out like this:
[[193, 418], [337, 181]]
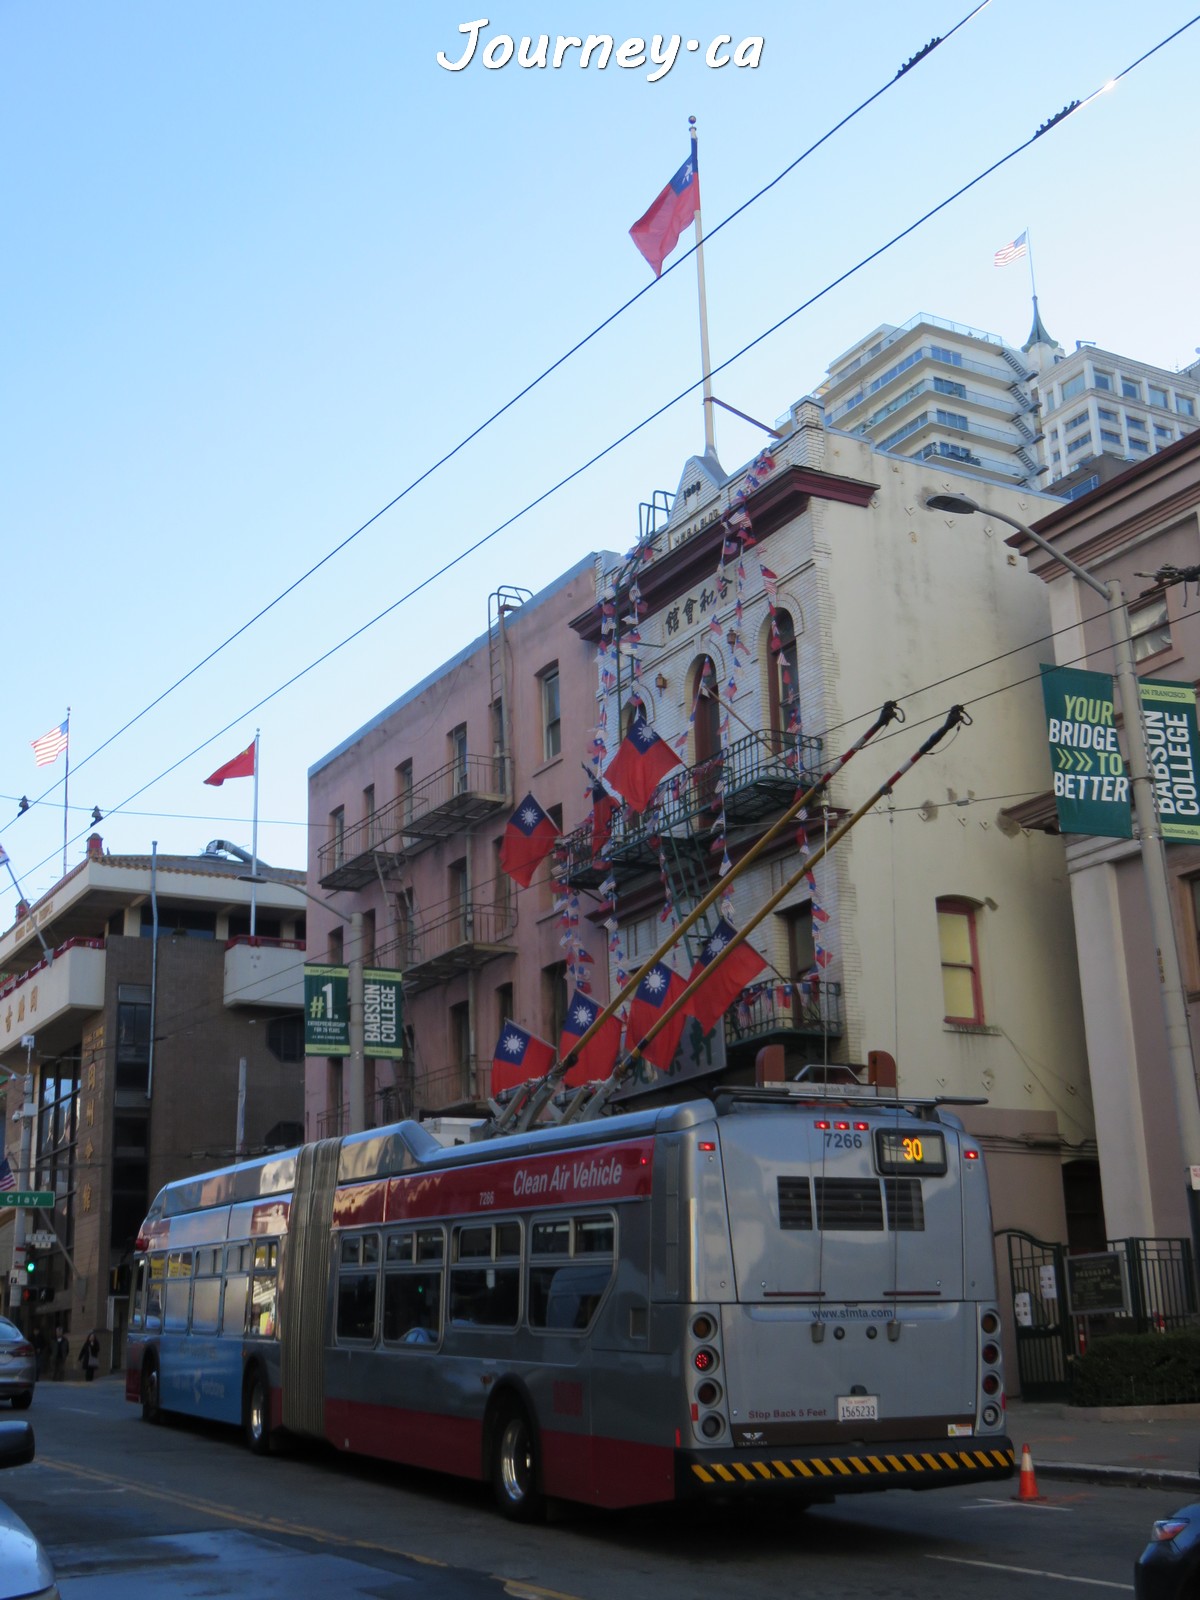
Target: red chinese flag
[[528, 840], [518, 1057], [599, 1055], [657, 233], [723, 983], [640, 765], [661, 986], [241, 766]]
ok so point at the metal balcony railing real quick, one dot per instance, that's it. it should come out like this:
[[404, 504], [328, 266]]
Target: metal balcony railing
[[755, 778], [783, 1009], [459, 795], [451, 938]]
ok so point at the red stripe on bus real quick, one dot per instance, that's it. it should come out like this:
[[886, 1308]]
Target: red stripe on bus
[[604, 1172], [611, 1473]]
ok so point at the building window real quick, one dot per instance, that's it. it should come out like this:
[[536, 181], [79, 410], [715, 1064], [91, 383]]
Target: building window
[[1136, 423], [939, 353], [506, 1007], [456, 877], [1107, 436], [1102, 380], [783, 688], [946, 386], [1158, 397], [337, 836], [1081, 443], [1072, 387], [404, 790], [1075, 422], [554, 1000], [1140, 446], [369, 817], [1185, 405], [959, 946], [1106, 415], [458, 758], [1162, 433], [1131, 390], [1149, 628], [951, 419], [551, 723]]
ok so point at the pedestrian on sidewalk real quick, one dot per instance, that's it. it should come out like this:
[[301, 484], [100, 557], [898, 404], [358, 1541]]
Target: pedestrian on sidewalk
[[89, 1355], [62, 1349]]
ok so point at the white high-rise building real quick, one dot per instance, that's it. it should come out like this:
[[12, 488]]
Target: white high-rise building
[[933, 388]]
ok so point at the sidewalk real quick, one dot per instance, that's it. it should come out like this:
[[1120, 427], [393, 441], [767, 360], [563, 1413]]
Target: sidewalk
[[1152, 1446]]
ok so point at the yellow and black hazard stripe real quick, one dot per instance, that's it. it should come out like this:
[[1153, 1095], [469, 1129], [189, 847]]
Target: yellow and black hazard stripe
[[908, 1467]]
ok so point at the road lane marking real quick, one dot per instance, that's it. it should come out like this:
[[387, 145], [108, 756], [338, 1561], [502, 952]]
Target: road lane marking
[[213, 1508], [1011, 1504], [1031, 1572]]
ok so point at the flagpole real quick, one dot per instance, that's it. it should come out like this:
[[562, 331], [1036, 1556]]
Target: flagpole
[[710, 444], [254, 844], [66, 786], [1029, 256]]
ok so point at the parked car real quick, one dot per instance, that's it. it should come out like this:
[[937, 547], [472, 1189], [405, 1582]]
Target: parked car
[[18, 1366], [1169, 1567], [25, 1569]]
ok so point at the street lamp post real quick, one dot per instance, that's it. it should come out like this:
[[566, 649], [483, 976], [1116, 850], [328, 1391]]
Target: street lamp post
[[1154, 859]]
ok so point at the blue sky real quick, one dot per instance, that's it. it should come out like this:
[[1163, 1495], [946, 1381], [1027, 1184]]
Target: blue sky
[[265, 264]]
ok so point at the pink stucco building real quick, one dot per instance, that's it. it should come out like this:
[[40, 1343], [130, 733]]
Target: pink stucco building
[[406, 820]]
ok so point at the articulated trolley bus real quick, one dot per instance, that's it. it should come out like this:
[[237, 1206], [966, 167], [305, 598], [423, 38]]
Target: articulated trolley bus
[[781, 1289]]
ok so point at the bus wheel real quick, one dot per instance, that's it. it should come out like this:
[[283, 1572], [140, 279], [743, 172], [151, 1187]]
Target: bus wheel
[[256, 1414], [151, 1411], [22, 1402], [515, 1474]]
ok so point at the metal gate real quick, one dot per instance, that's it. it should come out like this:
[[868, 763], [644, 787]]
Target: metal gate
[[1041, 1320]]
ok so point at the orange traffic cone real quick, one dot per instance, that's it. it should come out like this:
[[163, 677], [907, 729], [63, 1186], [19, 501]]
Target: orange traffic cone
[[1027, 1489]]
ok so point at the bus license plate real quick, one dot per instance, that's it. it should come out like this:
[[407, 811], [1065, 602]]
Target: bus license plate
[[858, 1407]]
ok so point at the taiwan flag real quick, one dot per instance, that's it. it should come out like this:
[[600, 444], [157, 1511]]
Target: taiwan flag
[[660, 988], [640, 765], [518, 1057], [657, 233], [722, 984], [599, 1055], [528, 840]]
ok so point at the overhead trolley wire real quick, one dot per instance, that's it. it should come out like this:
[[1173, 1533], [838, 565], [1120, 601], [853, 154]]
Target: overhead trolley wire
[[469, 438], [1052, 122]]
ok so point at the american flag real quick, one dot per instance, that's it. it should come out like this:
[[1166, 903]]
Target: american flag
[[7, 1181], [1010, 252], [51, 745]]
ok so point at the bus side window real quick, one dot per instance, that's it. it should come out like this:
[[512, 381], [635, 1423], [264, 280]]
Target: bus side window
[[236, 1290], [412, 1298], [179, 1290], [262, 1290], [484, 1293], [357, 1286], [206, 1295], [154, 1300], [565, 1293], [137, 1296]]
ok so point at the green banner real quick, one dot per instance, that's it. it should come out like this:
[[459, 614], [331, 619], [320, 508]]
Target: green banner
[[1091, 787], [383, 1014], [1169, 712], [327, 1012]]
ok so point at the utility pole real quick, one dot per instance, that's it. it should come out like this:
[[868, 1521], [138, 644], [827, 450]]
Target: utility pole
[[357, 1084]]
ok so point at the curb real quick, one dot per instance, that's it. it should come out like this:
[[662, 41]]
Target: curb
[[1126, 1477]]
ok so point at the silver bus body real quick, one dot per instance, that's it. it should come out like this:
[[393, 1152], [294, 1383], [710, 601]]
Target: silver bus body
[[776, 1291]]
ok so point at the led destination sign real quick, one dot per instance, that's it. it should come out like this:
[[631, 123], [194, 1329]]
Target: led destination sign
[[910, 1150]]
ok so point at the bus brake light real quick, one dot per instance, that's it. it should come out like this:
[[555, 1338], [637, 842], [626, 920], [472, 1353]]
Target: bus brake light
[[970, 1155], [822, 1125]]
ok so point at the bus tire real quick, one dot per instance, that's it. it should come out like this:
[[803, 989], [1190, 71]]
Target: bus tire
[[22, 1402], [151, 1393], [516, 1471], [256, 1412]]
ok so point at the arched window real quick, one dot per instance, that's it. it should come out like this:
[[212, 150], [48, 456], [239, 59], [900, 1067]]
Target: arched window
[[958, 944], [706, 728], [783, 688]]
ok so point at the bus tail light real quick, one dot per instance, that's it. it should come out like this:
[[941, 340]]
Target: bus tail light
[[990, 1322], [991, 1354], [703, 1326], [705, 1360], [713, 1426], [990, 1384]]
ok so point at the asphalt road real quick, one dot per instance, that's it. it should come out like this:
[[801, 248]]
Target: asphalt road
[[130, 1511]]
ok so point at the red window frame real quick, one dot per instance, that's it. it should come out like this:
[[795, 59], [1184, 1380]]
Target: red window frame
[[950, 905]]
